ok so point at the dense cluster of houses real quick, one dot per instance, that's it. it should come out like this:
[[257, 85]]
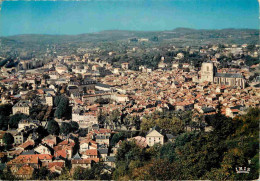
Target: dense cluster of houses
[[180, 90], [135, 93], [57, 152]]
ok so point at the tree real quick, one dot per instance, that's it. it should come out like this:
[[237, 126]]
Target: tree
[[2, 63], [162, 170], [153, 152], [146, 124], [53, 127], [184, 138], [7, 175], [24, 85], [65, 175], [132, 121], [116, 137], [251, 47], [174, 125], [46, 76], [57, 100], [199, 156], [167, 152], [8, 139], [3, 122], [65, 128], [129, 151], [167, 121], [82, 132], [121, 171], [6, 109], [41, 174], [74, 126], [142, 173], [15, 119], [62, 108], [114, 117], [42, 132], [82, 174], [97, 171], [222, 126]]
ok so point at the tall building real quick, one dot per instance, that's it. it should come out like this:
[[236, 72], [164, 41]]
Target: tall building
[[21, 107], [209, 73], [49, 99]]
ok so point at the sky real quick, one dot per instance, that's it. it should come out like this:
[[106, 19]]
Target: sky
[[77, 17]]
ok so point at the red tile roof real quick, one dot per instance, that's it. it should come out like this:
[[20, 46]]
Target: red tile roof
[[26, 144], [59, 164], [82, 161], [61, 153], [23, 159], [91, 152], [25, 170]]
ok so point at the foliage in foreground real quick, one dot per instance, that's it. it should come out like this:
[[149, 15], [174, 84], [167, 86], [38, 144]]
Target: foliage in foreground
[[197, 155], [194, 155]]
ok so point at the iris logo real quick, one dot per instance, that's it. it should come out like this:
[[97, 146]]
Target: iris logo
[[243, 169]]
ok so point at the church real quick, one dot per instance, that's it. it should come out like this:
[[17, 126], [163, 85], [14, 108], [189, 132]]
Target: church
[[209, 73]]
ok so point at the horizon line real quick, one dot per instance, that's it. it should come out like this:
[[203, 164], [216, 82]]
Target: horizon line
[[49, 34]]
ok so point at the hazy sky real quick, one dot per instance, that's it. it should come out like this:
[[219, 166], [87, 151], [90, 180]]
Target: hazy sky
[[48, 17]]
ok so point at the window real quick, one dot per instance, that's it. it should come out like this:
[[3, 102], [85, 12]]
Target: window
[[207, 68]]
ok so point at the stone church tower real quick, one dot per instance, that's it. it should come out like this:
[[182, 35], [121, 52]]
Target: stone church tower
[[207, 72]]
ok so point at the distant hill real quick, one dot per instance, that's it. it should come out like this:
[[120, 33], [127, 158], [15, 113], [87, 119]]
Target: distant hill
[[34, 45], [235, 35]]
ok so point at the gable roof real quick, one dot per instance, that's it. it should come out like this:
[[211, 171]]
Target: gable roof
[[77, 156], [28, 152], [153, 132], [26, 144], [60, 164], [22, 104], [91, 152], [61, 153], [170, 136], [48, 95], [110, 159], [103, 151]]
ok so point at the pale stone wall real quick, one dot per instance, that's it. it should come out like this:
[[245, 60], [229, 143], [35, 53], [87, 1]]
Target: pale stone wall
[[207, 72], [151, 140], [230, 81], [49, 101], [24, 110]]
